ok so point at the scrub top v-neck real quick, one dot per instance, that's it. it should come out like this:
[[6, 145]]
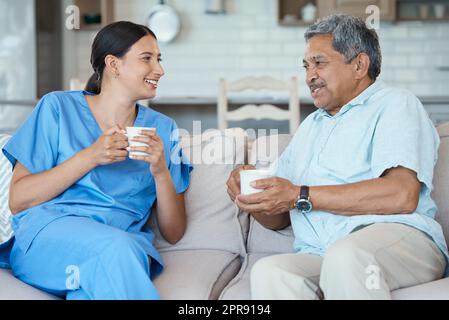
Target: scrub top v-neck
[[96, 125]]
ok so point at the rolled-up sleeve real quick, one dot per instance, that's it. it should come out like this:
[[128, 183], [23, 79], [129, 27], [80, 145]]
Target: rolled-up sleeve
[[179, 165], [35, 143], [405, 136]]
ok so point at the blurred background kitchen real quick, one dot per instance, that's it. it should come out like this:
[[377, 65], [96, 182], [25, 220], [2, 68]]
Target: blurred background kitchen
[[202, 41]]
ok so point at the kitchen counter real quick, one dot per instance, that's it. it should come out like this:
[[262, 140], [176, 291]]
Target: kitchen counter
[[186, 110], [21, 103], [259, 100], [434, 100], [212, 101]]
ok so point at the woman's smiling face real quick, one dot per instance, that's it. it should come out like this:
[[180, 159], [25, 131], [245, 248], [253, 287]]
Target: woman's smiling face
[[140, 69]]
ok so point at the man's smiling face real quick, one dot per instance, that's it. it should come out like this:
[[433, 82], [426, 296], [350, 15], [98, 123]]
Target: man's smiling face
[[331, 80]]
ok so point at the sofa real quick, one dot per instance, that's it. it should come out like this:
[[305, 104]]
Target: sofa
[[221, 244]]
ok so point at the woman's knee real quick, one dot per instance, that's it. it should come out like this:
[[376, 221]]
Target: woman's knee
[[121, 245]]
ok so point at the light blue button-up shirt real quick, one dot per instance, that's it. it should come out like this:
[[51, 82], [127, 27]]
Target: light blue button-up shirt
[[380, 129]]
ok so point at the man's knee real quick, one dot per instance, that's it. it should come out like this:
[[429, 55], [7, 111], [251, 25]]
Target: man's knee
[[345, 257], [272, 269], [263, 269], [278, 277], [351, 271], [276, 268]]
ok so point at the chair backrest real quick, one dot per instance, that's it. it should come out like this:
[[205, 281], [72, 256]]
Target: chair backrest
[[264, 111], [76, 84]]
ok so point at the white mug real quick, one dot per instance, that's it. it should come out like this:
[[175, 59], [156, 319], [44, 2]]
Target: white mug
[[248, 176], [132, 132]]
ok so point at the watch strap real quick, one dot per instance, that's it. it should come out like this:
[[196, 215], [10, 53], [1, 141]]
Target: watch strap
[[304, 192]]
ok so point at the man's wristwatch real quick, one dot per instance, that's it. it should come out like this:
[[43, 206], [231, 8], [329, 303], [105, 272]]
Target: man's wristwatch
[[303, 203]]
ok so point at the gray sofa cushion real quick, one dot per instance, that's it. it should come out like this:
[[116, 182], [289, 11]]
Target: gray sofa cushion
[[13, 289], [189, 274], [213, 221], [435, 290], [196, 274], [441, 180], [268, 148], [261, 239], [239, 287]]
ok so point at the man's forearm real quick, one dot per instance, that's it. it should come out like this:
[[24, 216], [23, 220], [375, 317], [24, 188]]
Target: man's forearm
[[376, 196]]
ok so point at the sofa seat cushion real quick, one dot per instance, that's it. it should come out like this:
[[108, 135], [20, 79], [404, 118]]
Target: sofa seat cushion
[[239, 287], [263, 240], [435, 290], [12, 288], [190, 274], [196, 274]]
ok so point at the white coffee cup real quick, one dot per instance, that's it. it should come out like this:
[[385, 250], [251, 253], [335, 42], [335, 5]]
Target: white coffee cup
[[132, 132], [248, 176]]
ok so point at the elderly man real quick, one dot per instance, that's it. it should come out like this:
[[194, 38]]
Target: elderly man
[[354, 182]]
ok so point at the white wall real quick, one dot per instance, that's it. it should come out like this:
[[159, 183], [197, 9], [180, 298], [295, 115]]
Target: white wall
[[248, 41], [17, 60]]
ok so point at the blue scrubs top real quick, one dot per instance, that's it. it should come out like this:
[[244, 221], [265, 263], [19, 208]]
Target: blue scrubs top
[[120, 194], [382, 128]]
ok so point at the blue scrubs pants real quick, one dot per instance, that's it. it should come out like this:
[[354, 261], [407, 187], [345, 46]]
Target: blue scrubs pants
[[80, 258]]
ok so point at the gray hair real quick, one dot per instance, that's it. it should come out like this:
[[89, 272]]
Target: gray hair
[[350, 37]]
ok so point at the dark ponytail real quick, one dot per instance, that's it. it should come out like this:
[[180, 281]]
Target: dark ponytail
[[94, 84], [115, 39]]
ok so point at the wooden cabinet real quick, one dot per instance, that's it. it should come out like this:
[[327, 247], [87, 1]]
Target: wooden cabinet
[[95, 14], [358, 8], [289, 11], [423, 10]]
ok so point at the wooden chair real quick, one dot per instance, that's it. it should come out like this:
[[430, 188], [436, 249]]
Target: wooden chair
[[264, 111], [76, 84]]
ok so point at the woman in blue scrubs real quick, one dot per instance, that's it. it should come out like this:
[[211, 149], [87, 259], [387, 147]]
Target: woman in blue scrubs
[[80, 201]]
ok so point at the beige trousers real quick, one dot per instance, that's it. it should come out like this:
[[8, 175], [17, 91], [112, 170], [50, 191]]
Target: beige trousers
[[366, 264]]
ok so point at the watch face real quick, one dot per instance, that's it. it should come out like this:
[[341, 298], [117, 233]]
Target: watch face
[[303, 205]]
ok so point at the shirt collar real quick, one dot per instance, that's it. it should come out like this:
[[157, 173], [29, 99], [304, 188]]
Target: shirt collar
[[361, 99]]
